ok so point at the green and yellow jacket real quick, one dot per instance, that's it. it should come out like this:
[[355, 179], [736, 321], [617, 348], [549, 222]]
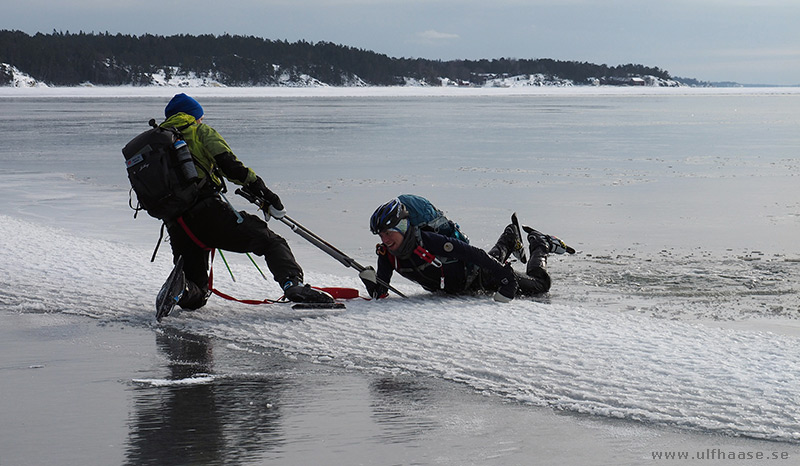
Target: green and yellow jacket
[[210, 151]]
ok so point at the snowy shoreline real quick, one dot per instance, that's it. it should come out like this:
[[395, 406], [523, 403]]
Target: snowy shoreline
[[375, 91]]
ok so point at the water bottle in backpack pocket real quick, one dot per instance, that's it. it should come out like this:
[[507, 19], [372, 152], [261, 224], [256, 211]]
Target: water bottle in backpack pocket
[[185, 161]]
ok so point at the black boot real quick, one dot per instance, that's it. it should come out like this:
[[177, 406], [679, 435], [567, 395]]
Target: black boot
[[507, 244], [539, 248], [537, 280], [194, 297], [294, 290]]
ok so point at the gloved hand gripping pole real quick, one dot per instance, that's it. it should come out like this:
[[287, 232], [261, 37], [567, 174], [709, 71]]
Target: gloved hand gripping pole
[[314, 239]]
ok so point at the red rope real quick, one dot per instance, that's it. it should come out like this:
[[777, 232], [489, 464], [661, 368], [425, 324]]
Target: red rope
[[192, 235], [337, 293], [229, 297]]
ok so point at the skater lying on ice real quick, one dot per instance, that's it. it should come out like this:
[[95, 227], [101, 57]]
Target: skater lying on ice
[[421, 244]]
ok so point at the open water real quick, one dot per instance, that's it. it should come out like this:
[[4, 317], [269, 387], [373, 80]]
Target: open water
[[679, 311]]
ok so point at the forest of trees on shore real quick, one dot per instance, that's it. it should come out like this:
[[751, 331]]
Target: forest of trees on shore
[[69, 59]]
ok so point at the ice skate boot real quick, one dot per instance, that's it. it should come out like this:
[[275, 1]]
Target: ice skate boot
[[509, 243], [294, 290], [519, 248], [539, 249], [554, 245]]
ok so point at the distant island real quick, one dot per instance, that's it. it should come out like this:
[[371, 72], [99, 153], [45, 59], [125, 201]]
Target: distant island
[[80, 59]]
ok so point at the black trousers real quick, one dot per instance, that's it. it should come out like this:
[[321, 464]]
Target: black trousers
[[536, 279], [213, 222], [535, 282]]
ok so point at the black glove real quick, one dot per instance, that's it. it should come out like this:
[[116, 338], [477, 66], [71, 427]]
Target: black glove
[[374, 289], [259, 189]]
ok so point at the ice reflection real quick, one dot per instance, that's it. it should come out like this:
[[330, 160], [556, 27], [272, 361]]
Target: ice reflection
[[217, 420], [217, 402], [401, 406]]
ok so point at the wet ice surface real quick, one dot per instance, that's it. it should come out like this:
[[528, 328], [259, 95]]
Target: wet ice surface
[[617, 349], [85, 392], [683, 210]]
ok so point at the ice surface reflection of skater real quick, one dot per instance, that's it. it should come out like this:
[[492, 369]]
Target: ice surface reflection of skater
[[197, 416]]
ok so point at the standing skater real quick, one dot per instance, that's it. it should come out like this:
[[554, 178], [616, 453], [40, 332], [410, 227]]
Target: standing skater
[[211, 222]]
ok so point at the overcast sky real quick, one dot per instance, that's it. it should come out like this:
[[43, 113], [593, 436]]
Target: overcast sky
[[747, 41]]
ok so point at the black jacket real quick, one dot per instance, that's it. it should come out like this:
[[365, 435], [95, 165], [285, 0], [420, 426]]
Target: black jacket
[[458, 267]]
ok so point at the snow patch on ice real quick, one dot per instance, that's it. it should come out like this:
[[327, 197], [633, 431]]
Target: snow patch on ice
[[197, 379], [567, 356]]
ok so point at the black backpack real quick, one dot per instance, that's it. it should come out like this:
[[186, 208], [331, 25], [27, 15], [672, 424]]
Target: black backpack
[[162, 173]]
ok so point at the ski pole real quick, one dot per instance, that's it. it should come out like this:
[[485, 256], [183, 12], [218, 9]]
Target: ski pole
[[317, 241], [347, 261]]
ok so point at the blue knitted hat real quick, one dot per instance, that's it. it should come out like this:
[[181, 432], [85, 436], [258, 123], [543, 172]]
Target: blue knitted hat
[[182, 103]]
